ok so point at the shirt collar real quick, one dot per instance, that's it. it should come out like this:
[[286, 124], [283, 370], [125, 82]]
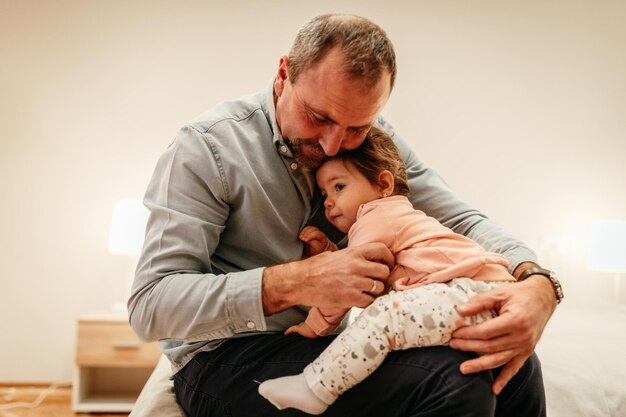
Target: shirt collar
[[270, 112]]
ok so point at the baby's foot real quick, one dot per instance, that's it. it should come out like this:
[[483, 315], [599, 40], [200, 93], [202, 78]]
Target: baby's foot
[[292, 392]]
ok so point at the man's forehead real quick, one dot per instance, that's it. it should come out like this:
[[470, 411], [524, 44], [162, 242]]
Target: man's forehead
[[322, 113], [343, 101]]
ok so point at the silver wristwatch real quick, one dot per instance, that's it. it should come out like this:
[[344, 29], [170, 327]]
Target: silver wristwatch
[[558, 289]]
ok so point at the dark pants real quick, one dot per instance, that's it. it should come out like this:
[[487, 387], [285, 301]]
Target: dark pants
[[414, 382]]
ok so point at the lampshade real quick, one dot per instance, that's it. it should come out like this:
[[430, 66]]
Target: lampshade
[[607, 246], [128, 227]]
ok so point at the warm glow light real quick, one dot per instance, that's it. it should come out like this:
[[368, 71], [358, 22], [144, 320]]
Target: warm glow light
[[607, 246], [128, 227]]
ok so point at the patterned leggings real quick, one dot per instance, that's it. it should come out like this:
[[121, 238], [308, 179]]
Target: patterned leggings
[[418, 317]]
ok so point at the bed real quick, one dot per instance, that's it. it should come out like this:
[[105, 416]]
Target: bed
[[583, 353]]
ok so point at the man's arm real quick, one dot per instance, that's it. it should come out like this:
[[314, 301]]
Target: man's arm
[[178, 295], [508, 340], [322, 321], [340, 279]]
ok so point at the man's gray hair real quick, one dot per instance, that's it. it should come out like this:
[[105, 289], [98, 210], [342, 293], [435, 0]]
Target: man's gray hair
[[365, 45]]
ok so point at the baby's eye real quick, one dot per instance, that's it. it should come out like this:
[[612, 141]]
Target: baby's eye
[[339, 187]]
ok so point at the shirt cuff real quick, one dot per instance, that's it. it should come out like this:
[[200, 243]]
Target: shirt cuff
[[244, 304]]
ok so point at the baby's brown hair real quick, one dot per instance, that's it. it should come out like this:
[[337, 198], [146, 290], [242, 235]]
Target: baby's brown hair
[[377, 153]]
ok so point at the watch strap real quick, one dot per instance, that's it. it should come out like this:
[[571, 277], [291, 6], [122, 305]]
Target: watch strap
[[556, 285]]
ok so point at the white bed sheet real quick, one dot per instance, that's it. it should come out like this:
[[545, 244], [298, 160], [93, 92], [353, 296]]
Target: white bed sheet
[[583, 357]]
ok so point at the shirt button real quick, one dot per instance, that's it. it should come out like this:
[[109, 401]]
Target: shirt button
[[250, 324], [294, 166], [283, 148]]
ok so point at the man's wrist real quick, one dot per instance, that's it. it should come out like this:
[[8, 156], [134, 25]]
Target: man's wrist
[[523, 267], [275, 291], [530, 269]]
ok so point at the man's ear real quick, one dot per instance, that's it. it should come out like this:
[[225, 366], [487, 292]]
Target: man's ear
[[282, 76], [385, 183]]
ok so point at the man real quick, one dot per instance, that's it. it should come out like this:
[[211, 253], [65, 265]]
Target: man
[[220, 277]]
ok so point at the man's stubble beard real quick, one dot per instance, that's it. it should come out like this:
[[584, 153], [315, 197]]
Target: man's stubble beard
[[299, 155]]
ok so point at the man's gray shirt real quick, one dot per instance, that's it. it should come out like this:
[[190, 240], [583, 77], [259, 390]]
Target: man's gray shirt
[[228, 199]]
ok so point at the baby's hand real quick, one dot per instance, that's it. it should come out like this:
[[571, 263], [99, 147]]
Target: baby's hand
[[302, 329], [316, 241]]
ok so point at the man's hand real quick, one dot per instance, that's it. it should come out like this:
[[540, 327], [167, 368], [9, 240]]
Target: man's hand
[[524, 309], [346, 278], [316, 241]]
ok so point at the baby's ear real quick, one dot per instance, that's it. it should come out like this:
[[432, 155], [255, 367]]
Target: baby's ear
[[385, 183]]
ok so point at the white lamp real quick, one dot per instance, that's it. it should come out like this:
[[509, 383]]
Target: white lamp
[[128, 227], [607, 251], [126, 236]]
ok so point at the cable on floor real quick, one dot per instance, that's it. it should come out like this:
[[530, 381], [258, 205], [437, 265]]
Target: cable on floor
[[42, 396]]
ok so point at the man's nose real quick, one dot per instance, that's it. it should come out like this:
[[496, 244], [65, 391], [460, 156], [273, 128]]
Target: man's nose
[[332, 139]]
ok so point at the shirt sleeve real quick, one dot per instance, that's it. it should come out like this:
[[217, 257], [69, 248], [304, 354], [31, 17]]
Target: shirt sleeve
[[430, 194], [176, 294]]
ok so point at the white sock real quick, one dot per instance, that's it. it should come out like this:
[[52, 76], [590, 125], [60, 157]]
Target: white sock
[[292, 392]]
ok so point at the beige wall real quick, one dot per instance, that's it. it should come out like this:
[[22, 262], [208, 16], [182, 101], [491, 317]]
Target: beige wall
[[520, 105]]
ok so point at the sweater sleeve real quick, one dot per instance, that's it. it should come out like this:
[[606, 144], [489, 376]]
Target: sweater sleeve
[[324, 321]]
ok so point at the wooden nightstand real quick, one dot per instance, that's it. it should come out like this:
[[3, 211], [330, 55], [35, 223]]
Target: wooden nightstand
[[112, 364]]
